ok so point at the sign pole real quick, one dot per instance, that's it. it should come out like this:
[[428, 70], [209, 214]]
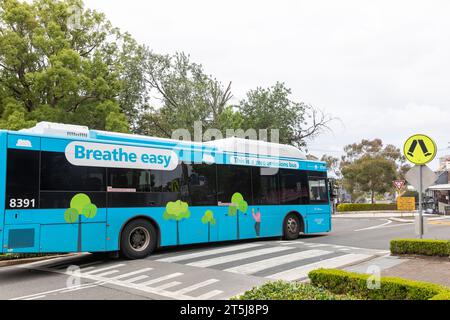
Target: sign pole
[[420, 150], [420, 203]]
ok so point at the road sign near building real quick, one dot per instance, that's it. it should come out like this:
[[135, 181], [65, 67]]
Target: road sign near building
[[420, 150], [428, 177], [406, 203], [399, 184]]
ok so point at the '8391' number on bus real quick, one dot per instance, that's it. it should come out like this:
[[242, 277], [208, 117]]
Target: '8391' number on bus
[[22, 203]]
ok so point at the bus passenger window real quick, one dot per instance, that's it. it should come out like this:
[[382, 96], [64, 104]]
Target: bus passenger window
[[318, 190]]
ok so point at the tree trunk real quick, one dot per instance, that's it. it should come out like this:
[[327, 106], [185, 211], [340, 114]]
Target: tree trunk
[[373, 197], [209, 231], [237, 223], [79, 234], [178, 234]]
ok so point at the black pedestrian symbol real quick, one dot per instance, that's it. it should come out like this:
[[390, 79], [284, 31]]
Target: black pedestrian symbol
[[422, 145]]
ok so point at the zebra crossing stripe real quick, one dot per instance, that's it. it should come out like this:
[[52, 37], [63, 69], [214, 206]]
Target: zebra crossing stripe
[[135, 279], [107, 273], [160, 279], [129, 274], [105, 269], [168, 285], [237, 256], [209, 252], [197, 286], [251, 268], [302, 271], [209, 295]]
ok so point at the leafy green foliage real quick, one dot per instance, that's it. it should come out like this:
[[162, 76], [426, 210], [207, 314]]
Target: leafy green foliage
[[79, 201], [80, 205], [355, 284], [89, 211], [373, 175], [59, 67], [71, 215], [351, 207], [363, 161], [424, 247], [208, 217], [176, 211], [238, 203], [281, 290]]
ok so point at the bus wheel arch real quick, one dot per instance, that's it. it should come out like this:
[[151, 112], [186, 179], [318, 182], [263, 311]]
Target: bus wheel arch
[[293, 221], [147, 228]]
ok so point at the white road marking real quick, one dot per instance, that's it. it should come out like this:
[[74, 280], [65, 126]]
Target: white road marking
[[168, 277], [135, 279], [104, 269], [107, 273], [167, 285], [209, 295], [208, 252], [197, 286], [237, 256], [35, 298], [251, 268], [302, 271], [376, 227], [129, 274]]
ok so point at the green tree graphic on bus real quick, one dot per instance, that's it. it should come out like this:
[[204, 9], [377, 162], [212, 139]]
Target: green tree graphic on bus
[[238, 204], [208, 218], [177, 211], [80, 205]]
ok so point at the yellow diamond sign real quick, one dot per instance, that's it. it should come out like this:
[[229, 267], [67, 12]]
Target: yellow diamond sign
[[420, 149]]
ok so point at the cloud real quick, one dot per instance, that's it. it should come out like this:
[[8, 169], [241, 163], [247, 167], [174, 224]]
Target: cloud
[[380, 66]]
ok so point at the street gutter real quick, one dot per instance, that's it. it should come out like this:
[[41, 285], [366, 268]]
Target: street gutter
[[14, 262]]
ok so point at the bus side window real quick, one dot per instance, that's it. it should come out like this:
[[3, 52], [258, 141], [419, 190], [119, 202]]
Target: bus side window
[[318, 189], [293, 187], [22, 182]]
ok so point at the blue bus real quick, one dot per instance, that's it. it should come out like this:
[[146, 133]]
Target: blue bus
[[66, 188]]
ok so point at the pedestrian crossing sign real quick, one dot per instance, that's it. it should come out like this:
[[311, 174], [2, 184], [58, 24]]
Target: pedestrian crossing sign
[[420, 149]]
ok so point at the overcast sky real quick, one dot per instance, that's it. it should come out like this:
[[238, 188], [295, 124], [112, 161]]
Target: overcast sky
[[382, 67]]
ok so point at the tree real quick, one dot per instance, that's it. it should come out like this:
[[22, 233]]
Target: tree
[[177, 211], [208, 218], [80, 205], [370, 149], [186, 93], [238, 205], [63, 63], [273, 108], [369, 174]]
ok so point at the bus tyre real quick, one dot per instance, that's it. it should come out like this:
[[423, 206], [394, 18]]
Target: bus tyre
[[138, 239], [291, 227]]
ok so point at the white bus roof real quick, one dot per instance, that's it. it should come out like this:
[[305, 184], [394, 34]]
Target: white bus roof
[[228, 145]]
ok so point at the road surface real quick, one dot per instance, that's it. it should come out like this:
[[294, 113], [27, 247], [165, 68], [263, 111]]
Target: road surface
[[215, 271]]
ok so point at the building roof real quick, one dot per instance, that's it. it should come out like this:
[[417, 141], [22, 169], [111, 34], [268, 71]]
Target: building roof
[[440, 187]]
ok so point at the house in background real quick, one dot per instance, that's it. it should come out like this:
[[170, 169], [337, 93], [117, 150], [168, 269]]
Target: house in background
[[441, 191]]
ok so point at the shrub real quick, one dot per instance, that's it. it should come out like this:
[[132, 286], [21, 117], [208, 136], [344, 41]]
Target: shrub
[[346, 207], [445, 295], [355, 284], [424, 247], [281, 290]]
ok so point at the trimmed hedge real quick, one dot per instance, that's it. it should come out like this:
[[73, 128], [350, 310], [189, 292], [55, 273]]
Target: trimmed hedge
[[346, 207], [344, 282], [440, 248], [281, 290]]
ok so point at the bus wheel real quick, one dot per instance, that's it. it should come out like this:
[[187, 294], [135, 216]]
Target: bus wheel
[[138, 239], [291, 227]]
